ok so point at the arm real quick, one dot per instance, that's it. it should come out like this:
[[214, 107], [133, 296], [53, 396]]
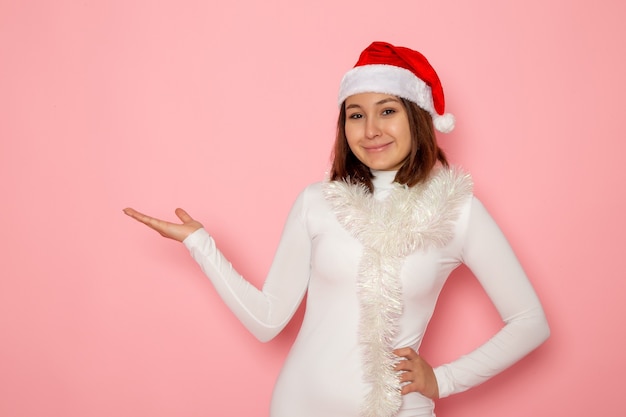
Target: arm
[[489, 256], [263, 312]]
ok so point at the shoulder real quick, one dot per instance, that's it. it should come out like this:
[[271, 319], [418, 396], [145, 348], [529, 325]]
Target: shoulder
[[448, 191], [310, 197], [312, 191], [451, 179]]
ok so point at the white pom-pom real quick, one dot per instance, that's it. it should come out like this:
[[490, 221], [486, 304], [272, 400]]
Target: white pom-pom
[[444, 123]]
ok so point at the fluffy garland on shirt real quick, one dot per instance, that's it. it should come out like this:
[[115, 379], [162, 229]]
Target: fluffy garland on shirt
[[409, 219]]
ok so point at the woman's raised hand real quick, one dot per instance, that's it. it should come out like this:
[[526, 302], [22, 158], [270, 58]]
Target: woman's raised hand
[[417, 375], [166, 229]]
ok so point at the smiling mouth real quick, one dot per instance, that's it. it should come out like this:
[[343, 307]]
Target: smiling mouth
[[377, 148]]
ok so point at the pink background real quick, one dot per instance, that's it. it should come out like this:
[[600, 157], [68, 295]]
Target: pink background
[[228, 109]]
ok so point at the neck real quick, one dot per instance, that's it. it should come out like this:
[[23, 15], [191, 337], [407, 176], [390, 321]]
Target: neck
[[383, 179]]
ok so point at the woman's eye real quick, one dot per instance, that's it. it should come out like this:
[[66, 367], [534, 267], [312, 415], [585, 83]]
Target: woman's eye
[[388, 111], [355, 116]]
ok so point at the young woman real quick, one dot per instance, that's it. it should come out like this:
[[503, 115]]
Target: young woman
[[372, 247]]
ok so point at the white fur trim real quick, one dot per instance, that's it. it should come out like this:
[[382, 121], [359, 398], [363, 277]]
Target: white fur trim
[[389, 79], [444, 123], [409, 219]]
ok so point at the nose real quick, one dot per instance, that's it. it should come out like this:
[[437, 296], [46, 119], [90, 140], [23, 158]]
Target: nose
[[372, 129]]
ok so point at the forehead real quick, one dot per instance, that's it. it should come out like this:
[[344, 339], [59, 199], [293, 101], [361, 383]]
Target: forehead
[[364, 99]]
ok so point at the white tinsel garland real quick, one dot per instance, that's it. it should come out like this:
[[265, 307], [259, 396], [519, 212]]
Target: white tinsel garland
[[409, 219]]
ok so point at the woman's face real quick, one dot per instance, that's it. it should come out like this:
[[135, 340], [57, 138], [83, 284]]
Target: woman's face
[[377, 129]]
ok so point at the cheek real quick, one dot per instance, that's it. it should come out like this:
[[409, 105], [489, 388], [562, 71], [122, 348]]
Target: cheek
[[404, 136]]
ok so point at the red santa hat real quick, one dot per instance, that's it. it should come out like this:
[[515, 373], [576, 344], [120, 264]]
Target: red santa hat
[[402, 72]]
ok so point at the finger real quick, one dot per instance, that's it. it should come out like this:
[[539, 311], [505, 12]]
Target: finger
[[408, 388], [129, 211], [406, 352], [421, 385], [153, 223], [134, 214], [183, 216], [406, 377], [138, 216], [404, 365]]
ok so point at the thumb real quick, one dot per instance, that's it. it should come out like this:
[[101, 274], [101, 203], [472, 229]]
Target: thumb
[[183, 216]]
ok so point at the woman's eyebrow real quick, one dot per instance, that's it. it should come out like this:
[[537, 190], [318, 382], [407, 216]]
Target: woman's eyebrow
[[378, 103], [386, 100]]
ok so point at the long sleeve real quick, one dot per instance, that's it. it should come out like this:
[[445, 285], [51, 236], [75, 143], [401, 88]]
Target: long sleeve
[[489, 256], [263, 312]]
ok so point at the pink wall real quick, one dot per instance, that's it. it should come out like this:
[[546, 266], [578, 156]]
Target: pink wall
[[227, 109]]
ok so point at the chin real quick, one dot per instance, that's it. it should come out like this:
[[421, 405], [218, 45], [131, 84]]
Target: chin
[[383, 167]]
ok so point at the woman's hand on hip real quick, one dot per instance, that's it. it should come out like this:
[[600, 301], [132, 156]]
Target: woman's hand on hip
[[166, 229], [416, 374]]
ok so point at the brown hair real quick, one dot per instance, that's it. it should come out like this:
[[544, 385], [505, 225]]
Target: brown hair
[[422, 157]]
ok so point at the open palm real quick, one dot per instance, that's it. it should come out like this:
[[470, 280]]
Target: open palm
[[167, 229]]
